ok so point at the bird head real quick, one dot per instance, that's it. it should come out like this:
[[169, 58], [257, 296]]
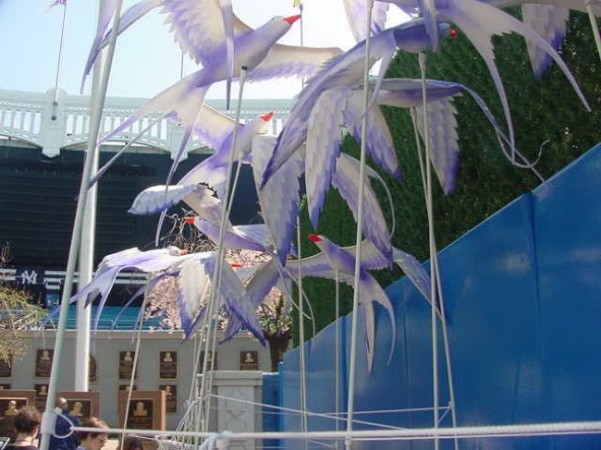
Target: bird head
[[267, 117], [269, 33], [315, 238]]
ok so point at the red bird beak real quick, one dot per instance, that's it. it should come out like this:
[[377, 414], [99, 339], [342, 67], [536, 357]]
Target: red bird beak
[[314, 238], [189, 219], [292, 19], [236, 265], [267, 117]]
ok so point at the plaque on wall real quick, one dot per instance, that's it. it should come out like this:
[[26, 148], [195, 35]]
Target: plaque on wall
[[125, 387], [41, 394], [10, 402], [43, 362], [4, 386], [168, 365], [146, 409], [170, 391], [126, 364], [5, 368], [212, 360], [92, 369], [249, 360], [82, 405]]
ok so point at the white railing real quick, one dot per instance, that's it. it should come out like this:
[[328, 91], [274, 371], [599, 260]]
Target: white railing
[[37, 119]]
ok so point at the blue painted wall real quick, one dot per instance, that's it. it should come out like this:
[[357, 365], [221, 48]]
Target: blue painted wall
[[523, 301]]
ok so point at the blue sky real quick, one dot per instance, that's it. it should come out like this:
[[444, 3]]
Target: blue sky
[[147, 60]]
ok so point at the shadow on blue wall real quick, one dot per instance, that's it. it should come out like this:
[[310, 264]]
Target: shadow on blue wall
[[523, 301]]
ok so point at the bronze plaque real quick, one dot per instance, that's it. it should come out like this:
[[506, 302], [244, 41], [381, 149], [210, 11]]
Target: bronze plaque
[[211, 363], [81, 408], [126, 364], [146, 409], [5, 368], [41, 394], [43, 363], [168, 365], [82, 405], [92, 369], [170, 391], [125, 387], [10, 402], [249, 360]]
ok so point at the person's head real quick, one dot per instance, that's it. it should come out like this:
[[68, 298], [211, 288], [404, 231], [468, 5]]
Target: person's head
[[27, 421], [61, 403], [93, 440], [132, 443]]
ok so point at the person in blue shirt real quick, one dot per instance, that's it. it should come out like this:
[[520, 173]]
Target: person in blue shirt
[[64, 422]]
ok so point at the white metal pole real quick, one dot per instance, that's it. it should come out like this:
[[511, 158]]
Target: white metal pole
[[96, 114], [86, 252]]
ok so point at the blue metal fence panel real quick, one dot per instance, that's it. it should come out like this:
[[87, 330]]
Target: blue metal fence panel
[[522, 296]]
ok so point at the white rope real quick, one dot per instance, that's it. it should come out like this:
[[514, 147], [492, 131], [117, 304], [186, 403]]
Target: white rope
[[355, 315], [335, 417], [488, 431]]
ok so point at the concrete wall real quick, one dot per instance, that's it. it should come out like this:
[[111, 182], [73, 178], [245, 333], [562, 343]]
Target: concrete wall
[[106, 347]]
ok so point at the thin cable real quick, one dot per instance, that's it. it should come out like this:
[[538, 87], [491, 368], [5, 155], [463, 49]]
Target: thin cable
[[59, 62], [220, 247], [354, 326], [132, 377], [301, 332], [96, 115], [337, 347]]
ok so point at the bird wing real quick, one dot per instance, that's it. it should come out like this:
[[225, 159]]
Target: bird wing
[[287, 60], [102, 38], [157, 198], [345, 179], [442, 140], [371, 292], [322, 148], [233, 238], [550, 22], [356, 13], [414, 271], [279, 198], [263, 280], [480, 21], [200, 26], [213, 127], [379, 143], [192, 295]]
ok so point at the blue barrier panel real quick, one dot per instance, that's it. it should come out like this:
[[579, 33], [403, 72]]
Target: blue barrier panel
[[271, 416], [522, 297]]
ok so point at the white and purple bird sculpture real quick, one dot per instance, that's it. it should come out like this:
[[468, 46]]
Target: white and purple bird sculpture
[[336, 262], [479, 21], [195, 272], [255, 50]]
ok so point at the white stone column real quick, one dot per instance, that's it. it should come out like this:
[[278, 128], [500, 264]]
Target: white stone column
[[235, 413]]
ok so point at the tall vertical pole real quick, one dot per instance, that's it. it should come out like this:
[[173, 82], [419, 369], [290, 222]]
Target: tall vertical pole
[[96, 115], [86, 251]]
